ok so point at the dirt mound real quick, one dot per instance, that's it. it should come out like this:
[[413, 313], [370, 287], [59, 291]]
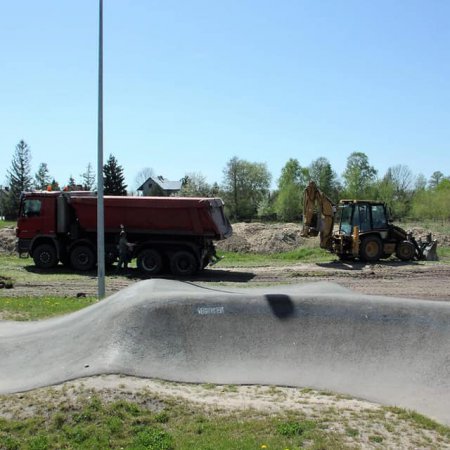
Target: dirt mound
[[443, 239], [7, 240], [259, 237]]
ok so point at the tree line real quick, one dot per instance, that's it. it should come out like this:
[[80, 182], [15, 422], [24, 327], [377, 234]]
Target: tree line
[[245, 186]]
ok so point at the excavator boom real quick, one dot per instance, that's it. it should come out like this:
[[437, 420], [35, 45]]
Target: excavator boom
[[318, 215]]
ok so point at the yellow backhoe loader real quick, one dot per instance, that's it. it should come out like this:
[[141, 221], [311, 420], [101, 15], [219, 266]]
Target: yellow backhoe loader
[[363, 229]]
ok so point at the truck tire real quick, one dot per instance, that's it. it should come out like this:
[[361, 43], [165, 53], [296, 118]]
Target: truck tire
[[44, 256], [183, 263], [405, 251], [82, 258], [149, 262], [370, 249]]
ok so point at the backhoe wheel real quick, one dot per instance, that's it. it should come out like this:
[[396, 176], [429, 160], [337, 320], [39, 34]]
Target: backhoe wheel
[[183, 263], [149, 261], [370, 249], [44, 256], [82, 258], [405, 251]]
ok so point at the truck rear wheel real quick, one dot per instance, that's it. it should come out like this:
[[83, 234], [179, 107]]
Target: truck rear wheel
[[82, 258], [405, 251], [44, 256], [371, 249], [149, 261], [183, 263]]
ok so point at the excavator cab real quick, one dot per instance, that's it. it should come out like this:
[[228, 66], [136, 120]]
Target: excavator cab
[[366, 215]]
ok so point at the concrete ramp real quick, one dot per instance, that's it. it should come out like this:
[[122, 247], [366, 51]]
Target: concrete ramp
[[389, 350]]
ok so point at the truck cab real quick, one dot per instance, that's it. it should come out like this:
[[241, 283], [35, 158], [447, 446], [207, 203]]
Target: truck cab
[[36, 223]]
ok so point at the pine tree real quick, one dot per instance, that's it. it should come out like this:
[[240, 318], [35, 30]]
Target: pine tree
[[54, 185], [71, 184], [42, 178], [113, 178], [19, 179], [88, 178]]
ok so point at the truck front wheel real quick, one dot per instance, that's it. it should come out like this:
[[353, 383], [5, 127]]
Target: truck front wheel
[[82, 258], [183, 263], [149, 261], [405, 251], [44, 256]]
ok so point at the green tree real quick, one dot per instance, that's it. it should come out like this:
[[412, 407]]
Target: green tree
[[435, 179], [433, 203], [194, 184], [18, 179], [420, 183], [359, 176], [42, 177], [71, 184], [54, 185], [88, 178], [321, 172], [397, 189], [244, 185], [292, 182], [289, 203], [113, 178]]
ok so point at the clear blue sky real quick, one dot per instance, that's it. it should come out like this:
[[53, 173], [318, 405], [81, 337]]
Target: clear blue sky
[[190, 84]]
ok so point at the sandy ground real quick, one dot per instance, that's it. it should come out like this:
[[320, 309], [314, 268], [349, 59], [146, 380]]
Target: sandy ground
[[336, 413]]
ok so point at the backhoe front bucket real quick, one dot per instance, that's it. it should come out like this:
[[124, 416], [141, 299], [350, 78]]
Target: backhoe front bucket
[[429, 252]]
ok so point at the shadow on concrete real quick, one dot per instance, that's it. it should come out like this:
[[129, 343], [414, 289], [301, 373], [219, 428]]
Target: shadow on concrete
[[281, 305]]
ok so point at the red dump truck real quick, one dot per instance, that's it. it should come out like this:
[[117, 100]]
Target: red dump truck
[[173, 234]]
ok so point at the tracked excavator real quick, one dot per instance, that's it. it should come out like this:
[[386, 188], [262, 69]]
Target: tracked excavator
[[360, 229]]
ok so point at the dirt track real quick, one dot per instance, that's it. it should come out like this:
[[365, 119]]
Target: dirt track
[[429, 281]]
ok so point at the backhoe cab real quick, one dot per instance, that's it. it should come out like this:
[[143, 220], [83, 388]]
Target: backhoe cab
[[360, 229]]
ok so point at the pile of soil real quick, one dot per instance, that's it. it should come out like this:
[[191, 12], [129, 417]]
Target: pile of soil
[[7, 241], [421, 233], [266, 238], [259, 237]]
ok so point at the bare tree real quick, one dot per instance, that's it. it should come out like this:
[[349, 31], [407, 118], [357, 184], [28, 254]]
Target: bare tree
[[142, 176]]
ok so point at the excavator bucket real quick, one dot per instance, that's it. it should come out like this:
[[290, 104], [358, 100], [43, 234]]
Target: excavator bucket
[[429, 251]]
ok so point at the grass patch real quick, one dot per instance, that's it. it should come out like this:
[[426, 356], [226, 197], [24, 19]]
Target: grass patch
[[7, 224], [97, 424], [420, 420], [310, 255], [80, 417], [34, 308]]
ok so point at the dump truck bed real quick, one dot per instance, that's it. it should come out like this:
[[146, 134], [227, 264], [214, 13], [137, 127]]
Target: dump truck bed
[[156, 215]]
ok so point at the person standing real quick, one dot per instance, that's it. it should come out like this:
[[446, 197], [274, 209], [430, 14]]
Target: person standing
[[123, 251]]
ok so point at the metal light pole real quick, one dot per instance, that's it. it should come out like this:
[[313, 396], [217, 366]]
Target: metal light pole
[[100, 206]]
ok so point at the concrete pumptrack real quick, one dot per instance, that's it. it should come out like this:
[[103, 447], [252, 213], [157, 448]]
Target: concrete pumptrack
[[388, 350]]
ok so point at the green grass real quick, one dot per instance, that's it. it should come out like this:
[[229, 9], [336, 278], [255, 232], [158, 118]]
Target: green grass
[[7, 224], [34, 308], [420, 420], [96, 424], [307, 255], [88, 421]]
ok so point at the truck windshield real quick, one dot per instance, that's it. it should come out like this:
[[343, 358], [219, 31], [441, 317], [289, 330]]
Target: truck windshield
[[31, 208]]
